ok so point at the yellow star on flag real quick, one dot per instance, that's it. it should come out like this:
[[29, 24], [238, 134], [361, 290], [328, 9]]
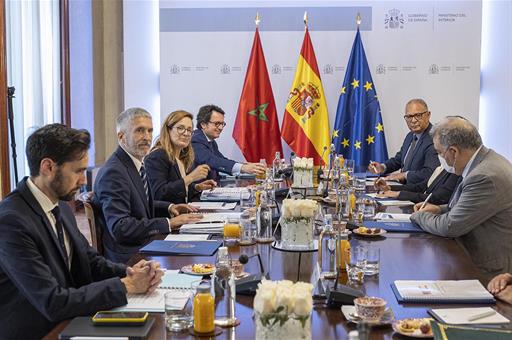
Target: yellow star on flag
[[355, 83], [342, 90], [335, 133], [370, 139], [345, 143], [368, 86], [357, 144], [379, 127]]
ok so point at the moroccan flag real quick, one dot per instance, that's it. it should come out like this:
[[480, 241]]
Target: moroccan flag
[[306, 121], [358, 128], [256, 129]]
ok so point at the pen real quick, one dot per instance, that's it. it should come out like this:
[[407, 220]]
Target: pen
[[373, 166], [425, 202], [481, 315]]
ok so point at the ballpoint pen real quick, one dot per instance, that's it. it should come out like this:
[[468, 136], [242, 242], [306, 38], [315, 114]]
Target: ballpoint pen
[[425, 202], [481, 315]]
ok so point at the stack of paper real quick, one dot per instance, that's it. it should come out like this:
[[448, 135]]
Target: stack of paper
[[202, 228], [396, 203], [393, 217], [442, 291], [213, 205], [220, 217], [231, 194], [473, 315], [184, 237]]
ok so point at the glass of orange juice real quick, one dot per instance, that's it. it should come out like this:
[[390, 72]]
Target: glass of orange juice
[[231, 230], [262, 177]]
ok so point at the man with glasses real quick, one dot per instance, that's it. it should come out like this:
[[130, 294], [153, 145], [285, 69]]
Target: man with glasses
[[210, 123], [417, 157], [479, 212]]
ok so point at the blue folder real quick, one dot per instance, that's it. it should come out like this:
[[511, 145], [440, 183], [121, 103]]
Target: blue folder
[[197, 248], [397, 227]]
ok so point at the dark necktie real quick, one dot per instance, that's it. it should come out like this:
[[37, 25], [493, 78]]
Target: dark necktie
[[142, 173], [456, 194], [60, 232], [410, 153]]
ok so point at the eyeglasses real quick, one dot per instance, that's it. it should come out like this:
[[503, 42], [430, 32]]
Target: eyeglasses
[[412, 116], [218, 125], [181, 130]]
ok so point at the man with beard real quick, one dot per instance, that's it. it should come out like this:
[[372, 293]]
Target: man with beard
[[130, 216], [48, 270]]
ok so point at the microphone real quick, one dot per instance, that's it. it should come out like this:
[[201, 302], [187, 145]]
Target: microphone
[[321, 169], [248, 285], [288, 171]]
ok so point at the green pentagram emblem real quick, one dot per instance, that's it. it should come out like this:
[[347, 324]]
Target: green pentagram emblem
[[260, 112]]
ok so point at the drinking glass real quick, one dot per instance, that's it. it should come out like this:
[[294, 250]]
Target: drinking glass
[[360, 181], [355, 263], [372, 266], [178, 310], [231, 230], [248, 228], [262, 177]]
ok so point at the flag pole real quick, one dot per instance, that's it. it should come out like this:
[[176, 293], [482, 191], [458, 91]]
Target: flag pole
[[358, 20], [257, 19], [306, 19]]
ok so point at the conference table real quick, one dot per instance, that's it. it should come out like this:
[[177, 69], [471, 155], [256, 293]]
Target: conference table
[[404, 256]]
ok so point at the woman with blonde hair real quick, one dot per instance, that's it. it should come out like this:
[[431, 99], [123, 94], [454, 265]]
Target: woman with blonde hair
[[169, 164]]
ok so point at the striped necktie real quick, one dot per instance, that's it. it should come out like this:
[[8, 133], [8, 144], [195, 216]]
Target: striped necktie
[[142, 173], [410, 153]]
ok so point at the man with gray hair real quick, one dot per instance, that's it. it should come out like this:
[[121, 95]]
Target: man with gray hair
[[416, 160], [129, 213], [480, 210]]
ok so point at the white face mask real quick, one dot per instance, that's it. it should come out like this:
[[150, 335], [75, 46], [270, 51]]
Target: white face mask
[[446, 167]]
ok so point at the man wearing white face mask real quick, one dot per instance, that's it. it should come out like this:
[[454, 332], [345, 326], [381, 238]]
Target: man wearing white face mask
[[479, 213]]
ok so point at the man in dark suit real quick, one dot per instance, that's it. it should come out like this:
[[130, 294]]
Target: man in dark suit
[[48, 271], [417, 157], [210, 123], [130, 216]]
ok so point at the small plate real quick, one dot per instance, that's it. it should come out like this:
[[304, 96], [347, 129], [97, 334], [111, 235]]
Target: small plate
[[416, 333], [357, 232], [188, 269], [350, 314]]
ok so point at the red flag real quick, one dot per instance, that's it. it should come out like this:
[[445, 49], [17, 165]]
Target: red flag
[[256, 129]]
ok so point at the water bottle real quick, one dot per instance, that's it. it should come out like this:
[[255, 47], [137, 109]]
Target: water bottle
[[224, 289], [264, 220]]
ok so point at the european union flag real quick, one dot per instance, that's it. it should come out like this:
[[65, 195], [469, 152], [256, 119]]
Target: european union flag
[[358, 130]]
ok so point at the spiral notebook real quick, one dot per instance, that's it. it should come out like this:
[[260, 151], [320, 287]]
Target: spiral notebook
[[449, 291]]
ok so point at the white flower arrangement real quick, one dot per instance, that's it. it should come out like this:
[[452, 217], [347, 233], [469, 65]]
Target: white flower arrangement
[[303, 163], [303, 172], [277, 302], [299, 209]]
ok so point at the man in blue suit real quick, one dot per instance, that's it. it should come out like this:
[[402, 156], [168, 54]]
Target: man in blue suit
[[417, 157], [130, 216], [48, 271], [210, 123]]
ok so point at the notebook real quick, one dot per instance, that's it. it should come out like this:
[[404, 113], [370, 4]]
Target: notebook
[[202, 228], [391, 226], [388, 217], [228, 194], [214, 205], [394, 203], [82, 327], [449, 291], [464, 316], [199, 248], [181, 237]]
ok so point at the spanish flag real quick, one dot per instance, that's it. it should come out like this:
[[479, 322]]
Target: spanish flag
[[306, 120]]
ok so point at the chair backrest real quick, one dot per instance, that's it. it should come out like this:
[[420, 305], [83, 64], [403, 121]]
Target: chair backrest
[[94, 228]]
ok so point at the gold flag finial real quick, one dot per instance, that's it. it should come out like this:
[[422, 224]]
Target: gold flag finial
[[306, 18], [257, 20], [358, 20]]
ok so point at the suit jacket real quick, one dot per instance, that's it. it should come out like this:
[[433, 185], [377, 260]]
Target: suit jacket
[[165, 178], [441, 188], [37, 290], [424, 159], [208, 153], [480, 219], [128, 217]]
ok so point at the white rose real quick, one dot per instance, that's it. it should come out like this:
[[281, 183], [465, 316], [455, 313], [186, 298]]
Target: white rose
[[308, 287], [285, 298], [310, 163], [303, 302], [295, 209], [284, 284], [264, 301]]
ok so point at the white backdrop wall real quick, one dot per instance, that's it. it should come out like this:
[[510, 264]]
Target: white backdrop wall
[[434, 54]]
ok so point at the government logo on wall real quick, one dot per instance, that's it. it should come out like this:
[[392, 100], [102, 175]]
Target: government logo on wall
[[433, 69], [328, 69], [380, 69], [175, 69], [394, 19], [276, 69], [225, 69]]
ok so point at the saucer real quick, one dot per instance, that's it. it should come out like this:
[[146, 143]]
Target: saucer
[[350, 314]]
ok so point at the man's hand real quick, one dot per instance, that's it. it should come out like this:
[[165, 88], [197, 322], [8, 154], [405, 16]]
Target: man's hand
[[376, 168], [390, 194], [435, 209], [178, 221], [505, 294], [499, 283], [199, 173], [399, 176], [254, 168], [206, 185], [143, 277], [381, 185], [182, 208]]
